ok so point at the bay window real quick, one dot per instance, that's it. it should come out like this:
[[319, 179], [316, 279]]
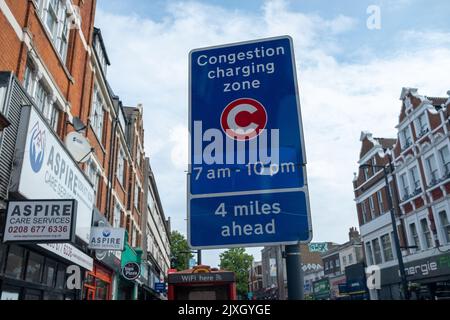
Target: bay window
[[387, 248], [422, 125]]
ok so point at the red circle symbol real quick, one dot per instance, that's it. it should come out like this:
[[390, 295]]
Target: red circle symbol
[[244, 119]]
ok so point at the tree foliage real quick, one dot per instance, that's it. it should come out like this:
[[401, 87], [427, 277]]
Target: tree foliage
[[180, 251], [238, 261]]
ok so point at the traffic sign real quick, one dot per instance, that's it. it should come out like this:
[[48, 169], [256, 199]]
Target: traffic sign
[[246, 147]]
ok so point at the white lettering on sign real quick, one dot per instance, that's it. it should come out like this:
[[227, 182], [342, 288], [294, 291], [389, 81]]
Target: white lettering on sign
[[224, 67], [54, 174]]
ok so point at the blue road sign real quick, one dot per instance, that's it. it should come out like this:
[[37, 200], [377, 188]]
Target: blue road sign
[[246, 145], [160, 287]]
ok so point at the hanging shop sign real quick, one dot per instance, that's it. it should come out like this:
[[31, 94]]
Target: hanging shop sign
[[43, 169], [131, 271], [104, 238], [40, 221]]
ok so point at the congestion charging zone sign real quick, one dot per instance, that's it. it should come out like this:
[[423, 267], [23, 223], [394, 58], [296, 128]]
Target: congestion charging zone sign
[[247, 176]]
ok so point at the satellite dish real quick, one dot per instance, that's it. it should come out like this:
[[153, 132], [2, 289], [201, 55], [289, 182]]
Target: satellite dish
[[78, 146]]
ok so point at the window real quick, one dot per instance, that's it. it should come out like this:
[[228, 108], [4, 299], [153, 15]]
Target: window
[[344, 260], [422, 125], [42, 98], [363, 210], [415, 179], [34, 267], [57, 22], [137, 193], [387, 248], [116, 217], [377, 251], [380, 202], [444, 155], [15, 262], [445, 225], [369, 254], [372, 207], [404, 187], [28, 80], [49, 273], [426, 232], [121, 166], [350, 258], [432, 169], [52, 17], [97, 113], [94, 175], [366, 173], [338, 263], [331, 265], [414, 236], [64, 38], [405, 138]]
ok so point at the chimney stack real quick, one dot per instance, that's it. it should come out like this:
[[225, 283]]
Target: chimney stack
[[353, 234]]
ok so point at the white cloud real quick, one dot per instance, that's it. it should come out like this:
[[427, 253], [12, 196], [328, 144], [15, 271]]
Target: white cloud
[[150, 65]]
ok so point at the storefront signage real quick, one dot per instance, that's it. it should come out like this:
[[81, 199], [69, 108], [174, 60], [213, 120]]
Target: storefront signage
[[40, 221], [434, 266], [70, 253], [201, 277], [131, 271], [104, 238], [45, 170]]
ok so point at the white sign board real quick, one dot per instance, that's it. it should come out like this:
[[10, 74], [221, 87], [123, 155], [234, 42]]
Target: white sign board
[[42, 221], [70, 253], [45, 170], [104, 238]]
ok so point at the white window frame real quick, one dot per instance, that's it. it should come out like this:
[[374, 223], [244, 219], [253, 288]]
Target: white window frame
[[388, 235], [444, 166], [121, 159], [412, 180], [428, 172], [405, 144], [371, 207], [370, 258], [404, 185], [97, 112], [422, 127], [380, 202], [424, 233]]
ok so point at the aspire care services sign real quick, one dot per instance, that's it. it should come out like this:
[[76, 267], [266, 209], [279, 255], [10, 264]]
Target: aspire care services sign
[[43, 169], [40, 221], [104, 238]]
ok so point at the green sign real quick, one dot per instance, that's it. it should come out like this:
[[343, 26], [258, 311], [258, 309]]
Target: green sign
[[130, 254], [318, 247], [321, 289]]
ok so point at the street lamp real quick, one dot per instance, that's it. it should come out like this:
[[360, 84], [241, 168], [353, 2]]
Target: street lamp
[[394, 226]]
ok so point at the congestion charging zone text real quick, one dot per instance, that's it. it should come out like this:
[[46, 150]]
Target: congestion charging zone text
[[208, 102]]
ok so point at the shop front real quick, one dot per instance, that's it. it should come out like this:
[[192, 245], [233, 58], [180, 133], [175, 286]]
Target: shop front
[[33, 273], [321, 289], [428, 279], [98, 284], [127, 289], [41, 169]]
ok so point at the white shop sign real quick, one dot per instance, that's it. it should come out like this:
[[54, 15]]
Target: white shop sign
[[104, 238], [70, 253], [40, 221], [44, 170]]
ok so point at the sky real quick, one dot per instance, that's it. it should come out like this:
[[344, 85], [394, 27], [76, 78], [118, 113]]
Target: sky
[[350, 79]]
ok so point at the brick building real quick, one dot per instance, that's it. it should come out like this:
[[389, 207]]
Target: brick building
[[54, 60], [418, 160]]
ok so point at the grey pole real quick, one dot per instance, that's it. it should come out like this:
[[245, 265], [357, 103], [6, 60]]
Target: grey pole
[[401, 265], [199, 257], [294, 272]]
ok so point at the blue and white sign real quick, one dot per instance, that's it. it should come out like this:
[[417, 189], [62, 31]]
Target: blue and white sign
[[247, 176], [160, 287]]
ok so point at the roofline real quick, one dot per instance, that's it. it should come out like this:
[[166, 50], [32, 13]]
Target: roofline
[[98, 32]]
